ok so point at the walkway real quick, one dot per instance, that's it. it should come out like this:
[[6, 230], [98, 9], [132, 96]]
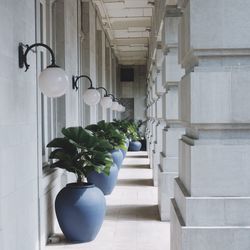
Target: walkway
[[132, 220]]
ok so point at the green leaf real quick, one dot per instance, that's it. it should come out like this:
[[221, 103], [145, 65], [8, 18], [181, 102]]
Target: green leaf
[[63, 143], [77, 134]]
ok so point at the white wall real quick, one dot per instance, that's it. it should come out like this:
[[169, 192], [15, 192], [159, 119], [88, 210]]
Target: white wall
[[27, 193], [18, 130]]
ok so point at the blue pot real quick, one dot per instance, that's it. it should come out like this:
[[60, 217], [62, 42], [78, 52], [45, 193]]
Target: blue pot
[[124, 153], [80, 211], [127, 142], [134, 146], [117, 157], [105, 182]]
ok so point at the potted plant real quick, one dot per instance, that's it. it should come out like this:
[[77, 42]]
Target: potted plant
[[80, 207], [107, 132], [134, 136], [117, 139], [122, 126]]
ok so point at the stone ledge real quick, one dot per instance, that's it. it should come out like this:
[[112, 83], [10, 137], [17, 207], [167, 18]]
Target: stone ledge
[[168, 163], [211, 211], [165, 192], [206, 238]]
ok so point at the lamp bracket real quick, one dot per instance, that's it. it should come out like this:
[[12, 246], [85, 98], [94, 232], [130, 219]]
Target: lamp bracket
[[106, 92], [113, 97], [76, 78], [23, 50]]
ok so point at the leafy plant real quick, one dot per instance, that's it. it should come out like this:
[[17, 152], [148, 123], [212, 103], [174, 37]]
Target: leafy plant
[[133, 133], [107, 131], [81, 152], [122, 126], [129, 128]]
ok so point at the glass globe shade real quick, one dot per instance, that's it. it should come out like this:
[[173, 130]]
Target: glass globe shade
[[114, 105], [106, 102], [123, 109], [91, 97], [53, 82], [119, 109]]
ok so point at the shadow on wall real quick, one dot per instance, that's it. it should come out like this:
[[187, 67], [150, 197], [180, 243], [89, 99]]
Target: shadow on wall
[[56, 181]]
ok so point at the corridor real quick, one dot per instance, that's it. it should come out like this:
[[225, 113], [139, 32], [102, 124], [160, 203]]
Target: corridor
[[132, 219]]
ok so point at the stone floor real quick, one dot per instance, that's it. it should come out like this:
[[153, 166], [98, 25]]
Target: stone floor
[[132, 219]]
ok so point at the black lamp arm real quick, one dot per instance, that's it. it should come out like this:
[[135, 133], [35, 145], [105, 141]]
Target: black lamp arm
[[23, 54], [106, 92], [113, 97], [76, 78]]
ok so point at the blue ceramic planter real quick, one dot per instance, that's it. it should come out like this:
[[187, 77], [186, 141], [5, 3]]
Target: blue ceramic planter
[[117, 157], [124, 152], [80, 210], [134, 146], [105, 182], [127, 142]]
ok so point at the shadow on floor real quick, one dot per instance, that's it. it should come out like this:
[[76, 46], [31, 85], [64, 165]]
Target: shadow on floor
[[121, 213], [132, 212], [137, 156], [135, 182], [146, 166]]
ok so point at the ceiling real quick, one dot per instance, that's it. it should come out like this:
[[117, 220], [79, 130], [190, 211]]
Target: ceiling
[[128, 24]]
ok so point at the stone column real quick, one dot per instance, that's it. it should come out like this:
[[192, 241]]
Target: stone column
[[171, 76], [159, 90], [211, 205], [151, 121]]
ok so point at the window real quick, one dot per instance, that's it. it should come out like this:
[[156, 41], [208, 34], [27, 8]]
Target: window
[[52, 111], [127, 75]]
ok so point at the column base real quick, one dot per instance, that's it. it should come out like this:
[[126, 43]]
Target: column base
[[206, 238], [165, 192], [209, 223]]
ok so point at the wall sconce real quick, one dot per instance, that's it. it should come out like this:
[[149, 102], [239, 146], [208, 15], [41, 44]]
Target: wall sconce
[[106, 100], [53, 81], [121, 108], [91, 97], [116, 106], [115, 103]]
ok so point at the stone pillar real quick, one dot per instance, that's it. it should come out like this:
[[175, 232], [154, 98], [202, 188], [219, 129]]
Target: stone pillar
[[211, 205], [171, 76], [151, 121], [159, 90]]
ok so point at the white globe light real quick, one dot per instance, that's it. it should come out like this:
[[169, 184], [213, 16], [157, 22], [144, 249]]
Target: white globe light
[[53, 82], [106, 102], [91, 97], [120, 107], [123, 109], [114, 105]]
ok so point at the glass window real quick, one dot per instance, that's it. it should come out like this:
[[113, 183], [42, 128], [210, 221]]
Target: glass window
[[52, 111]]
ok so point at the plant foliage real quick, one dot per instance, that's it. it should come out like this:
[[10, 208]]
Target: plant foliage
[[129, 127], [81, 152], [107, 131]]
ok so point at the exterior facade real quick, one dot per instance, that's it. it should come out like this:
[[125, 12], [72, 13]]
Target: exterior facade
[[202, 117], [193, 90], [30, 120]]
